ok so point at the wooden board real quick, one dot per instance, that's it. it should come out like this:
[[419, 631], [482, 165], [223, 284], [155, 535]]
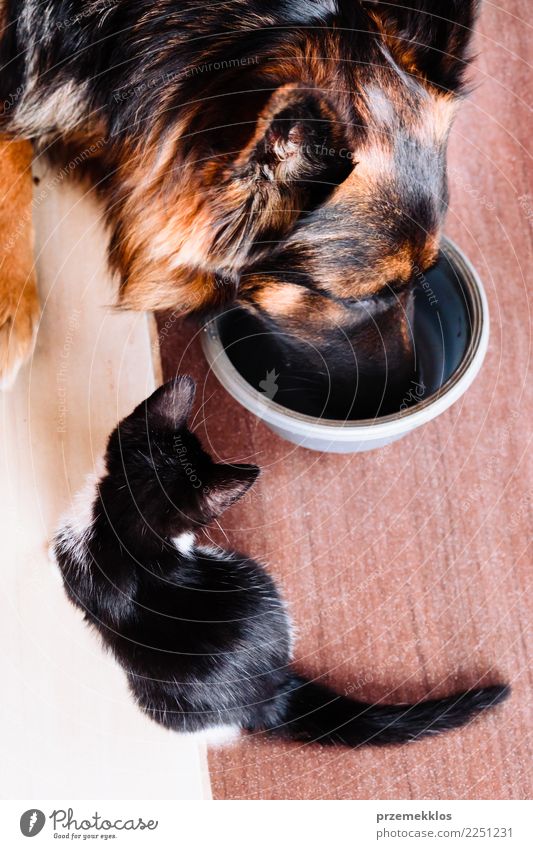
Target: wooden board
[[69, 728], [408, 569]]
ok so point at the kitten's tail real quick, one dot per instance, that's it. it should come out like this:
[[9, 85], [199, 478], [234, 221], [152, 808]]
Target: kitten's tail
[[310, 712]]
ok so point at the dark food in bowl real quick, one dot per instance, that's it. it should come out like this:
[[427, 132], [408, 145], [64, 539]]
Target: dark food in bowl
[[296, 375]]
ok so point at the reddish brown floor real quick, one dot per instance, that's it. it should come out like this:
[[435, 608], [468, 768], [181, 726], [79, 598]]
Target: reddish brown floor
[[407, 569]]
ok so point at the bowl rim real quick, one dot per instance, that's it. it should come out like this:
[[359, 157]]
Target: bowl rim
[[340, 430]]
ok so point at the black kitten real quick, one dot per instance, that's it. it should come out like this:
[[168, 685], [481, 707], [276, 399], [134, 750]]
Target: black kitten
[[203, 634]]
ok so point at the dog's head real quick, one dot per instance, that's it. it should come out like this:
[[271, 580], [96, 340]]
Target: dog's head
[[352, 199], [315, 168]]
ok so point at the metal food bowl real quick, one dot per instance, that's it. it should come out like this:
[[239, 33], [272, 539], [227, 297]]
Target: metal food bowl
[[452, 318]]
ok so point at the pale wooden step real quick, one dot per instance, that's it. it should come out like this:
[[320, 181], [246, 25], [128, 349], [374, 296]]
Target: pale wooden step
[[69, 726]]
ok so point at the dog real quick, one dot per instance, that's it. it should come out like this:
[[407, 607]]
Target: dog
[[286, 157]]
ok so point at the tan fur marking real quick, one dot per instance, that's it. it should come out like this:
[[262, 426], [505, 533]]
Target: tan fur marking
[[295, 307], [19, 303], [280, 298]]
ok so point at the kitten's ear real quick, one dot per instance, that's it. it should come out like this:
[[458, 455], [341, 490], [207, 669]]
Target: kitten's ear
[[228, 484], [172, 402]]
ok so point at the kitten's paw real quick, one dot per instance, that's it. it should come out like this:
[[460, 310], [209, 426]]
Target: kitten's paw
[[18, 330]]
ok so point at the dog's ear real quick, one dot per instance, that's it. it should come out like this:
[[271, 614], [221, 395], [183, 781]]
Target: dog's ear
[[297, 155], [298, 137], [429, 37]]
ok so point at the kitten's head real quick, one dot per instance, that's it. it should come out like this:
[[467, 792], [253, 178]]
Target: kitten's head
[[160, 479]]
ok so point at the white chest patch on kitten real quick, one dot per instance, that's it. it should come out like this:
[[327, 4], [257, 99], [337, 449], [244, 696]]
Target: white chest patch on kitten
[[185, 543]]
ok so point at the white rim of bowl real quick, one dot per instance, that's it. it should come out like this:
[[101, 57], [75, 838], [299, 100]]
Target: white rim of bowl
[[384, 426]]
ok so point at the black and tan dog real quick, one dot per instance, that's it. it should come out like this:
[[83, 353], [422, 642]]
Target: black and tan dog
[[289, 154]]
